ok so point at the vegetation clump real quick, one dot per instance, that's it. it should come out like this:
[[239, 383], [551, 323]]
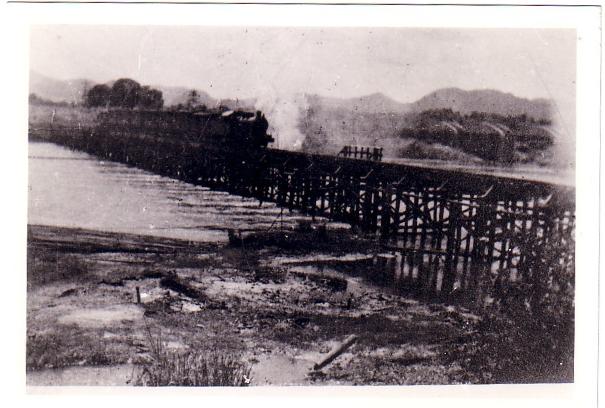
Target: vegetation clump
[[124, 93], [520, 347], [526, 335], [192, 368]]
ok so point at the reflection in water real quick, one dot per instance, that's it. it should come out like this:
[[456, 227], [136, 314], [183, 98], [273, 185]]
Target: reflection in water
[[73, 189]]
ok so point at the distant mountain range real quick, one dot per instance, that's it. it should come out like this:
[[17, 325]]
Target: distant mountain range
[[458, 100], [465, 102]]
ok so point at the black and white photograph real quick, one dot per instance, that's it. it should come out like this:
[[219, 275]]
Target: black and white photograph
[[253, 205]]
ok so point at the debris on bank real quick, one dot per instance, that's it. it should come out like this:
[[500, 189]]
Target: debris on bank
[[173, 282], [346, 344]]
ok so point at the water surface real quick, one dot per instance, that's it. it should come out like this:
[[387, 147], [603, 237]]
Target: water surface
[[74, 189]]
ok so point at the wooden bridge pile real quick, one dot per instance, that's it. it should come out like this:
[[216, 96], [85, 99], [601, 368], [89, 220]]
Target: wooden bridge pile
[[452, 232]]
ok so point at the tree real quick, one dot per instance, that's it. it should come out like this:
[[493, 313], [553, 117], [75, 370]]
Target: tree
[[193, 99], [125, 93], [150, 98], [35, 99], [98, 95]]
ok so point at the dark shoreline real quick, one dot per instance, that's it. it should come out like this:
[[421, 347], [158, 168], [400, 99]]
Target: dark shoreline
[[90, 241]]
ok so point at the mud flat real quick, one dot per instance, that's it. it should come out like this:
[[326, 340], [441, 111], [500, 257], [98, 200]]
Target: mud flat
[[279, 309]]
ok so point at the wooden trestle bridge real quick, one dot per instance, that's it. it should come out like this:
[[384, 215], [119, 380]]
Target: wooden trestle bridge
[[452, 231]]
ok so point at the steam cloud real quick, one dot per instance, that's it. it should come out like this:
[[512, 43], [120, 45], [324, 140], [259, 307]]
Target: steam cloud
[[283, 113]]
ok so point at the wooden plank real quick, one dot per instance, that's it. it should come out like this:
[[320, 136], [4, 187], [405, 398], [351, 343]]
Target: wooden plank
[[385, 219], [423, 277], [434, 288], [466, 254], [341, 348], [449, 267], [397, 213], [415, 259]]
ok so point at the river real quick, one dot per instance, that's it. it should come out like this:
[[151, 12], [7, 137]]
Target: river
[[74, 189]]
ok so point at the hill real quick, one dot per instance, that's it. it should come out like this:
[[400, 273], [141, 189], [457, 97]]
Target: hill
[[56, 90], [373, 103], [486, 101]]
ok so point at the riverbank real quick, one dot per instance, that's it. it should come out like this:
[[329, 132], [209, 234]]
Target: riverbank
[[261, 300]]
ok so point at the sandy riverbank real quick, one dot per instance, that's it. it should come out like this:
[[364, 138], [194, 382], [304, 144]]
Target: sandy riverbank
[[277, 309]]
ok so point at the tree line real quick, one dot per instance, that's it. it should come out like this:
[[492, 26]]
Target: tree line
[[124, 93], [431, 116]]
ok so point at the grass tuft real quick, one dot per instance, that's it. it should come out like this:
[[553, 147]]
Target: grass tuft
[[166, 367]]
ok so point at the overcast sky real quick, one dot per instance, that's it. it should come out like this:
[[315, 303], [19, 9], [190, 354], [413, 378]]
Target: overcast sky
[[403, 63]]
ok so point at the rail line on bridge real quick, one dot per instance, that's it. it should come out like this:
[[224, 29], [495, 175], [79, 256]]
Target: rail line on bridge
[[452, 232]]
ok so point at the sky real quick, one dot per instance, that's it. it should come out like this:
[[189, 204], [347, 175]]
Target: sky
[[403, 63]]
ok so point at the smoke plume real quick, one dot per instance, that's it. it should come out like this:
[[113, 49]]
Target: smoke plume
[[283, 113]]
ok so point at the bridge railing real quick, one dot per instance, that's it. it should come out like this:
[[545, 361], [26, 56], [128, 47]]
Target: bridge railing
[[361, 152]]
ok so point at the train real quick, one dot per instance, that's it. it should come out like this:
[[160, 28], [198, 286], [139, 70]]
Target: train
[[216, 129]]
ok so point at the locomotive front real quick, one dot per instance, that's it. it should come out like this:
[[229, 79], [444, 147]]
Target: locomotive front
[[247, 130]]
